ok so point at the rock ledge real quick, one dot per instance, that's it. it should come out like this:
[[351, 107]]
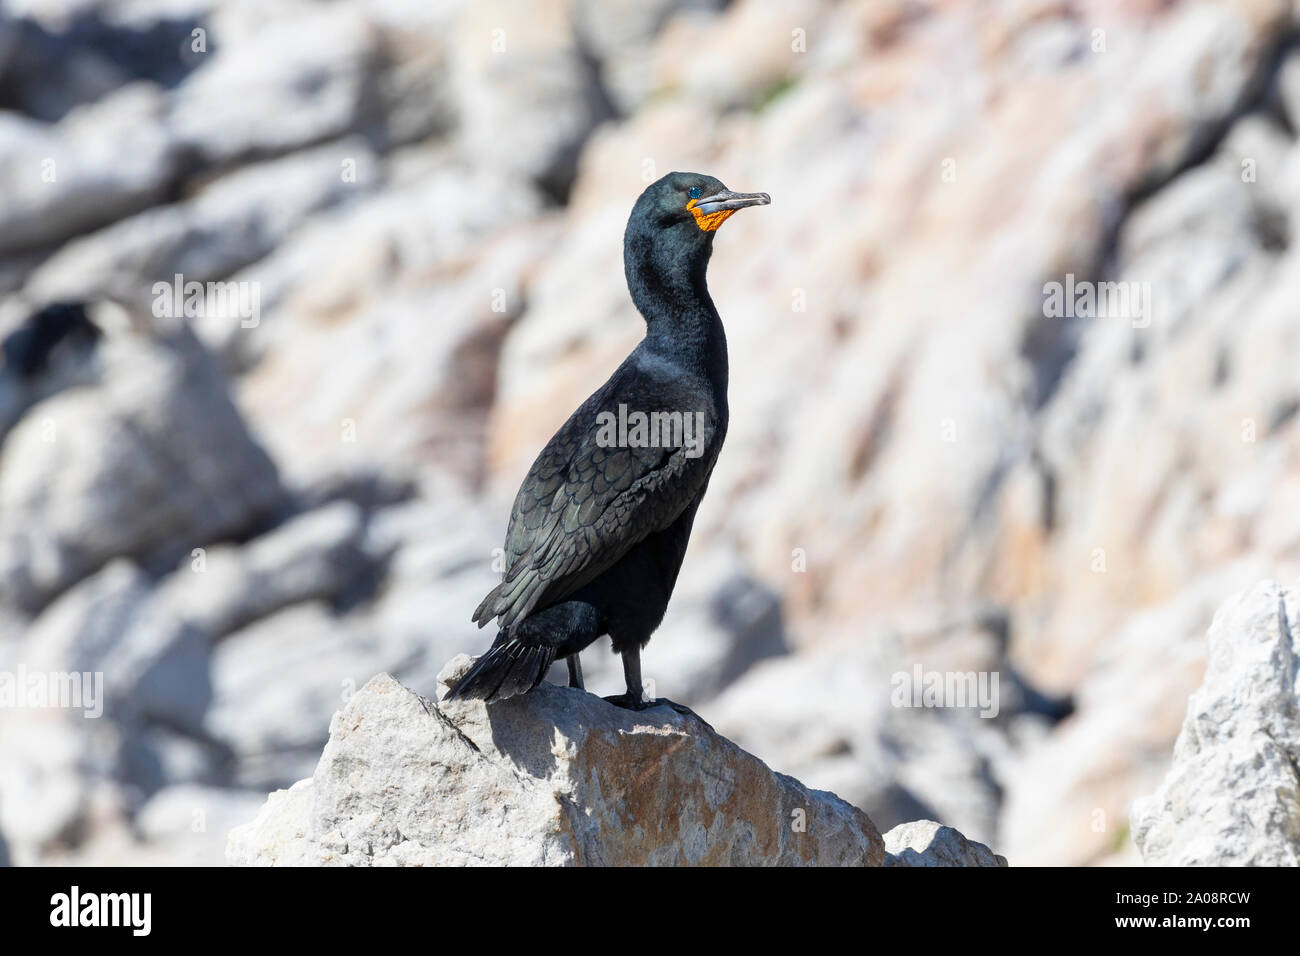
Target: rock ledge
[[557, 778]]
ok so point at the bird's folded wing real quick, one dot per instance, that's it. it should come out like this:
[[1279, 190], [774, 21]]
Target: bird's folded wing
[[567, 531]]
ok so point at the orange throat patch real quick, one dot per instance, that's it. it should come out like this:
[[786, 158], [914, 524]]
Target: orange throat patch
[[708, 221]]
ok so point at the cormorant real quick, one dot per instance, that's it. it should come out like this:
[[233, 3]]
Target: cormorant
[[600, 525]]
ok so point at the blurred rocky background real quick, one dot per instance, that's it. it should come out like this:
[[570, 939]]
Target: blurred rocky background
[[240, 516]]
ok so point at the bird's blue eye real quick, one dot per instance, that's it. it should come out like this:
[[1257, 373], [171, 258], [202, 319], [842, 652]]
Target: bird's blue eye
[[696, 192]]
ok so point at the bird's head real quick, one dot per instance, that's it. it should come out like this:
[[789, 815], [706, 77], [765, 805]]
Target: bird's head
[[692, 199], [670, 233]]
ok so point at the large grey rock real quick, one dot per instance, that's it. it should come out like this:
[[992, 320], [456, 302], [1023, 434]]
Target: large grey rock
[[1232, 797], [558, 777]]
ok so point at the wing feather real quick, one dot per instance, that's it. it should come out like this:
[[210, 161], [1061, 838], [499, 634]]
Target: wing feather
[[582, 507]]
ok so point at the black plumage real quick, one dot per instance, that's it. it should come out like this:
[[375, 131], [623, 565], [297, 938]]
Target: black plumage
[[599, 528]]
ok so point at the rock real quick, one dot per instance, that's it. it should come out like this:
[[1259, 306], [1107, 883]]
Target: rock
[[54, 57], [153, 460], [153, 641], [1288, 88], [155, 756], [104, 161], [230, 223], [188, 824], [527, 94], [417, 390], [558, 777], [415, 100], [278, 835], [926, 843], [423, 555], [154, 666], [620, 34], [439, 563], [1068, 791], [275, 728], [762, 42], [1232, 796], [827, 715], [45, 351], [54, 771], [314, 556], [9, 31], [305, 92]]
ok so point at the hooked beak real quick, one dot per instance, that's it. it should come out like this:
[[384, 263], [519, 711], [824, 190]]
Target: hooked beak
[[712, 211], [730, 201]]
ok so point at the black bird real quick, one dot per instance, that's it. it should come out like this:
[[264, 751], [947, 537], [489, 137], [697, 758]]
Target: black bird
[[600, 525]]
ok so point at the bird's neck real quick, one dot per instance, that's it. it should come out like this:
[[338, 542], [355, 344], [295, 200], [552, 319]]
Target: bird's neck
[[667, 282]]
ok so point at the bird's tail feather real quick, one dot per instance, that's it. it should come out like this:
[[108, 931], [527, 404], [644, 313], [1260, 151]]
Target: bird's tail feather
[[509, 668]]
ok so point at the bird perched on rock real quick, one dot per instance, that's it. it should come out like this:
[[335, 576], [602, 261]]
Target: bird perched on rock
[[600, 525]]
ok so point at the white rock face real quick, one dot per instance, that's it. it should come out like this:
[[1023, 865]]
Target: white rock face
[[558, 777], [1232, 797]]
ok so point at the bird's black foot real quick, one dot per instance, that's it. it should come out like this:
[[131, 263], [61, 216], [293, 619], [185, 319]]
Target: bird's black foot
[[628, 702]]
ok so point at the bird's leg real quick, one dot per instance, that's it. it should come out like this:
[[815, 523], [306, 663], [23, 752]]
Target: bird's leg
[[635, 698], [632, 677], [575, 671]]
